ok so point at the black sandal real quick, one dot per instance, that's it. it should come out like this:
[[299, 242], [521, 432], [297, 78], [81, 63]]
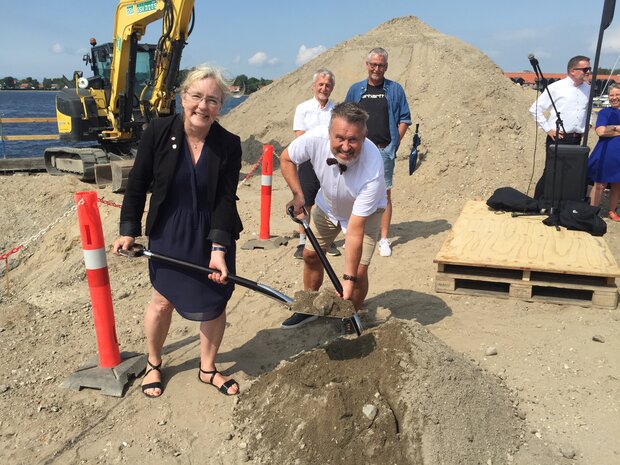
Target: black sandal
[[155, 385], [224, 387]]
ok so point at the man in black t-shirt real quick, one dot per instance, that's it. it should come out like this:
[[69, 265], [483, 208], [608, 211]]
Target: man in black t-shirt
[[389, 118]]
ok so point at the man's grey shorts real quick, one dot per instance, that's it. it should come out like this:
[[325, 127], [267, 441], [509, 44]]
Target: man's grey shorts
[[326, 232]]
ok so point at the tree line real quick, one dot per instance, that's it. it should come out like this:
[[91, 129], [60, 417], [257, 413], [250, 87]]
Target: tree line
[[246, 84]]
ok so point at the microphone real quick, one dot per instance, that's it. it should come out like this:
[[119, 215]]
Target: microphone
[[533, 60]]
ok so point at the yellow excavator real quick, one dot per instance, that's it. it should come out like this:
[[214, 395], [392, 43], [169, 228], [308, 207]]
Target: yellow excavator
[[131, 84]]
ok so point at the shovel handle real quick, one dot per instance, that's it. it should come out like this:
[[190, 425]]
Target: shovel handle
[[290, 210], [328, 268], [138, 250]]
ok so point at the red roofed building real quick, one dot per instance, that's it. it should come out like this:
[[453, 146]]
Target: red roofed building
[[529, 78]]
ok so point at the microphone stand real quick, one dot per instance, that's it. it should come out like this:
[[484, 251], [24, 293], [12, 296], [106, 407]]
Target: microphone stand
[[559, 124]]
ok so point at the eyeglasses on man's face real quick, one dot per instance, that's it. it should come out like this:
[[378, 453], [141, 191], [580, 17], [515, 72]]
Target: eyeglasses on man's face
[[586, 70], [209, 100], [376, 65]]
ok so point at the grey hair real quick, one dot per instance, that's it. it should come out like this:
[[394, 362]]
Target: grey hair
[[351, 112], [324, 72], [378, 51], [201, 72]]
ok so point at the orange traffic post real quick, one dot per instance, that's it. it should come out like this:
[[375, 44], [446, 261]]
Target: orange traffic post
[[93, 246], [265, 241], [265, 192], [110, 371]]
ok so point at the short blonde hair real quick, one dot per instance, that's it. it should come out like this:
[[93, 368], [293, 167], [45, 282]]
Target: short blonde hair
[[201, 72]]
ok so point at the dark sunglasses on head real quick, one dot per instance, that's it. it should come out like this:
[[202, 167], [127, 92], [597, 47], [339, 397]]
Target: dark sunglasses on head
[[585, 70]]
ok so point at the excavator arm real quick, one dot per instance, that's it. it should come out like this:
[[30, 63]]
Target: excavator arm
[[133, 83], [131, 20]]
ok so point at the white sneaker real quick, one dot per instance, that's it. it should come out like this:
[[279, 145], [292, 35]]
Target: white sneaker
[[384, 248]]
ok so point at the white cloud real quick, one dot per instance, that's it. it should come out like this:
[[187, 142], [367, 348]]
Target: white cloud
[[57, 48], [305, 54], [260, 59]]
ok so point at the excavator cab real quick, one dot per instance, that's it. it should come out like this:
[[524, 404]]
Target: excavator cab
[[100, 61], [81, 112]]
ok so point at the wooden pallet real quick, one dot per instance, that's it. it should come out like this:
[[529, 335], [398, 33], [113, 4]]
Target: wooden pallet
[[495, 254]]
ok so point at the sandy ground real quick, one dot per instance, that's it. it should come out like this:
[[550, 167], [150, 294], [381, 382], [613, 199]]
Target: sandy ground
[[417, 388]]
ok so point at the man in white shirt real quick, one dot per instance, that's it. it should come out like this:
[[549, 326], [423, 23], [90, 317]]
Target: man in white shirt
[[308, 115], [570, 96], [351, 199]]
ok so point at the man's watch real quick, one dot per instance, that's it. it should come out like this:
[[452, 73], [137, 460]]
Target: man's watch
[[348, 277]]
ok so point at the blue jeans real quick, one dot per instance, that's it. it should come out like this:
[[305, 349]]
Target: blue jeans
[[389, 160]]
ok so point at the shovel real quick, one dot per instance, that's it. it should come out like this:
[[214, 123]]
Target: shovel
[[355, 319], [138, 250]]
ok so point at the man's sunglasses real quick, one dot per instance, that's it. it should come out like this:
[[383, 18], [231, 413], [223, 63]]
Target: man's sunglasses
[[585, 70]]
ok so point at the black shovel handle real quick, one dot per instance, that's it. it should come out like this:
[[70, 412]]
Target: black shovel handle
[[138, 250], [328, 268]]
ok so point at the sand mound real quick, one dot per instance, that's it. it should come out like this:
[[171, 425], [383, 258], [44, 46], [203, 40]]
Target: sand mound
[[397, 395], [473, 120]]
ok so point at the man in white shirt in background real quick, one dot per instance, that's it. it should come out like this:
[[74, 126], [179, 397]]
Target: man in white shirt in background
[[570, 96], [351, 200], [308, 115]]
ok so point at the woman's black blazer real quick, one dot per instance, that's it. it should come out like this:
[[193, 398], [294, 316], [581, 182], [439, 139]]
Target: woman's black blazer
[[160, 147]]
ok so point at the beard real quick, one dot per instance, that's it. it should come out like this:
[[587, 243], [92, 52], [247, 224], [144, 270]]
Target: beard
[[340, 156]]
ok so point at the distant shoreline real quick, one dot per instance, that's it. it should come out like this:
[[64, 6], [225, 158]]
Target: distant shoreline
[[33, 90]]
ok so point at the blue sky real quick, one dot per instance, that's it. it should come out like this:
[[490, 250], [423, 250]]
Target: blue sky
[[269, 39]]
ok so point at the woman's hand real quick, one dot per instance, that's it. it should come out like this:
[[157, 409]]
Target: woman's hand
[[123, 242], [218, 262]]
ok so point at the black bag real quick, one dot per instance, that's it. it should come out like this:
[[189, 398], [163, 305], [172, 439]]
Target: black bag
[[511, 200], [578, 216]]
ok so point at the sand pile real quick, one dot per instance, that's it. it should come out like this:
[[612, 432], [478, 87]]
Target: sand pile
[[396, 395], [474, 122]]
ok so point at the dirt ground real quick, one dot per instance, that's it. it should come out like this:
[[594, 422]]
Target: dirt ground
[[417, 388]]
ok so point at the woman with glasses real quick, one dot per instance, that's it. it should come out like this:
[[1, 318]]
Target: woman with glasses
[[604, 162], [192, 164]]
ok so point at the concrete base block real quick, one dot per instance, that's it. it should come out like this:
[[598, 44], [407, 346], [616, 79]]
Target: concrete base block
[[110, 381], [268, 244]]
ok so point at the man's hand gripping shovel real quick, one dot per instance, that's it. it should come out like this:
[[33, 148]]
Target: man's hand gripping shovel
[[353, 320]]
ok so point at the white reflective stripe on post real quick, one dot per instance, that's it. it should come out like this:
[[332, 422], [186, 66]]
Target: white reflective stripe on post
[[265, 180], [95, 259]]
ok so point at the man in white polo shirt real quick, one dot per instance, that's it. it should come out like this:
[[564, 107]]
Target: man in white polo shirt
[[310, 114], [351, 199]]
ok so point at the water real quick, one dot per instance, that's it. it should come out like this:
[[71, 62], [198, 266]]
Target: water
[[41, 103]]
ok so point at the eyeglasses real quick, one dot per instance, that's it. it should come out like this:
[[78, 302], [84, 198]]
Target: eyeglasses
[[376, 65], [197, 98], [587, 70]]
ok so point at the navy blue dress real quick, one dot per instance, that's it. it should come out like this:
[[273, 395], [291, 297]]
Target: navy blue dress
[[181, 233]]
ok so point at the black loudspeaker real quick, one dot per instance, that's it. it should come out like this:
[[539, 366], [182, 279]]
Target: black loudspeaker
[[571, 169]]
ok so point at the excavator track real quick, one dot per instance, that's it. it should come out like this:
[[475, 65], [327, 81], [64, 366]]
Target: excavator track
[[76, 161]]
